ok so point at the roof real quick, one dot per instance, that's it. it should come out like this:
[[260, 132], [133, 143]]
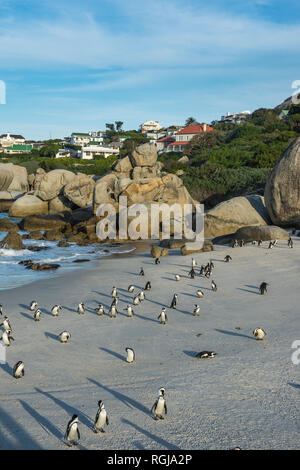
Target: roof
[[184, 142], [14, 136], [20, 147], [81, 134], [194, 129], [166, 139]]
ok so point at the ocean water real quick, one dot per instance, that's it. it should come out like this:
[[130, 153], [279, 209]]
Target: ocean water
[[13, 274]]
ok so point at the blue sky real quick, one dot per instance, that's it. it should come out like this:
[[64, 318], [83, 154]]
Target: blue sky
[[76, 65]]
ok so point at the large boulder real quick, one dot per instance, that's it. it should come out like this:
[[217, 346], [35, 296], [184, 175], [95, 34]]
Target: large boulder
[[196, 247], [144, 155], [38, 176], [20, 179], [229, 216], [124, 165], [60, 204], [104, 191], [265, 232], [7, 198], [33, 223], [6, 176], [28, 205], [282, 191], [52, 183], [13, 241], [6, 225], [80, 190]]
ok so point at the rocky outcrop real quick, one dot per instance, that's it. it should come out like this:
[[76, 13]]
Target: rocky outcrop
[[6, 176], [28, 205], [7, 225], [7, 198], [269, 232], [61, 204], [235, 213], [144, 155], [13, 241], [282, 191], [196, 247], [20, 179], [80, 190], [34, 223], [52, 183]]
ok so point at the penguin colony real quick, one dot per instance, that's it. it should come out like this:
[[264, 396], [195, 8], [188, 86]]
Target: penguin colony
[[159, 408]]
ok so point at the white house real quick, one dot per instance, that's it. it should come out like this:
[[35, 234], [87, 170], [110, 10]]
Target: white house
[[183, 137], [91, 151], [8, 140], [149, 126], [83, 138]]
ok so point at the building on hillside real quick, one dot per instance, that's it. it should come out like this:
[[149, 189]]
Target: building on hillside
[[83, 138], [284, 113], [8, 140], [236, 118], [149, 126], [91, 151], [154, 136], [184, 136], [162, 144], [19, 148], [64, 153]]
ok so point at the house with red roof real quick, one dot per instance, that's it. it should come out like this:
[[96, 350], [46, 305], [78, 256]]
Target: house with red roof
[[183, 137], [163, 142]]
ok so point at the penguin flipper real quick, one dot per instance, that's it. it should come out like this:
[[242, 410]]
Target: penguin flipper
[[154, 406], [166, 410], [78, 433], [107, 422]]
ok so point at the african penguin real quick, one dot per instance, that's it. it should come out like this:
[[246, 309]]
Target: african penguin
[[259, 333], [160, 406], [6, 324], [18, 370], [130, 355], [114, 292], [157, 261], [136, 300], [227, 258], [55, 310], [113, 311], [7, 338], [205, 354], [100, 309], [200, 294], [141, 273], [33, 305], [37, 314], [101, 418], [214, 286], [263, 288], [1, 309], [131, 288], [177, 277], [290, 243], [174, 301], [64, 336], [192, 273], [72, 432], [196, 311], [148, 286], [80, 308], [130, 311], [141, 296], [163, 316]]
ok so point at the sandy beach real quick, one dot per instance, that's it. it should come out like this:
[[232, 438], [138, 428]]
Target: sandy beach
[[247, 396]]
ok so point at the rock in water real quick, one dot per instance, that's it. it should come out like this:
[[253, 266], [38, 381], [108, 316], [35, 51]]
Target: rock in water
[[12, 241], [282, 191], [28, 205]]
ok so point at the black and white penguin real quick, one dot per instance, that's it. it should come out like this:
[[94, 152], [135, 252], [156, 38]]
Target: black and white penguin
[[141, 296], [214, 286], [7, 338], [192, 273], [200, 294], [177, 277], [18, 370], [163, 316], [157, 261], [80, 308], [242, 243], [130, 288], [160, 406], [211, 265], [129, 310], [227, 258], [1, 309], [33, 305], [113, 311], [55, 310], [101, 418], [115, 301], [72, 434], [290, 243], [130, 355], [114, 292], [142, 273], [174, 301], [100, 309], [136, 300], [194, 264], [148, 286], [259, 243], [259, 333], [196, 311], [206, 354], [37, 314], [234, 243], [270, 245], [6, 324], [64, 336], [263, 288]]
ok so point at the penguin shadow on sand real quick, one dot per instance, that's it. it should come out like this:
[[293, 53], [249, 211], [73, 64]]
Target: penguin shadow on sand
[[45, 424], [190, 353], [113, 353], [233, 333], [150, 435], [21, 439], [6, 368], [52, 336], [83, 417], [26, 315], [201, 287], [256, 291], [129, 402], [292, 384]]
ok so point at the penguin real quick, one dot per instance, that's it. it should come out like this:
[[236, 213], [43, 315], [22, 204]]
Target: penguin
[[177, 277], [72, 432], [136, 300], [263, 288], [208, 274], [163, 316], [290, 243], [196, 311], [64, 336], [114, 292], [254, 242], [275, 242], [148, 286], [130, 288], [7, 338], [115, 301], [130, 355], [160, 406], [200, 294], [113, 311], [141, 296], [80, 308], [18, 370], [33, 305], [242, 243], [1, 309], [100, 309], [270, 245], [206, 354], [259, 243], [193, 263], [192, 273], [259, 333], [214, 286], [227, 258], [211, 265], [157, 261], [130, 311], [101, 418], [174, 301], [6, 324], [141, 273], [55, 310], [37, 314], [235, 243]]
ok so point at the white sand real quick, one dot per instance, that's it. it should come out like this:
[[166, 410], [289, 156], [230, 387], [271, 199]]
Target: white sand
[[247, 396]]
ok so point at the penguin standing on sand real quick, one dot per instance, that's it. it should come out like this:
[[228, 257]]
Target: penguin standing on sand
[[192, 273], [193, 263], [33, 305], [196, 311], [214, 286], [100, 309], [55, 310], [80, 308], [174, 301], [130, 288], [37, 314], [18, 370], [160, 406], [72, 434], [263, 288], [200, 294], [271, 245], [141, 273], [64, 336], [114, 292], [7, 338], [113, 311], [259, 333], [101, 418], [177, 277], [242, 243], [227, 258], [290, 243], [6, 324], [1, 309], [148, 286], [130, 311], [235, 243], [136, 300], [130, 355], [141, 296], [157, 261], [259, 243], [163, 316]]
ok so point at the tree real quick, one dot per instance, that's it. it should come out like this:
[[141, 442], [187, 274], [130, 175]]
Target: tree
[[109, 126], [190, 121], [118, 124]]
